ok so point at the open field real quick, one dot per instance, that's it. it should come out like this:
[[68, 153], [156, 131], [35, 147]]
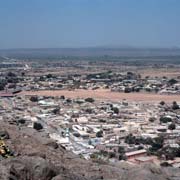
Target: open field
[[106, 95], [160, 72]]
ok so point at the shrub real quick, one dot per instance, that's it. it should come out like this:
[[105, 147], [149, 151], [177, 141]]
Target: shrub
[[172, 126], [91, 100], [162, 103], [99, 134], [175, 105], [165, 119], [34, 98]]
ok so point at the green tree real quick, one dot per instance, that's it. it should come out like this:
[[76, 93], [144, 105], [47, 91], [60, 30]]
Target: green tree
[[172, 126]]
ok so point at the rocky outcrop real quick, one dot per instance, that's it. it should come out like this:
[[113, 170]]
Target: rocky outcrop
[[39, 158]]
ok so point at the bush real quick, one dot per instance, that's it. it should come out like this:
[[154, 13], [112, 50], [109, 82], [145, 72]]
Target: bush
[[165, 119], [116, 110], [62, 97], [3, 83], [152, 119], [172, 126], [49, 76], [34, 98], [99, 134], [121, 150], [165, 164], [130, 139], [37, 126], [157, 144], [91, 100], [172, 81], [175, 105], [10, 74], [127, 90], [162, 103], [56, 111]]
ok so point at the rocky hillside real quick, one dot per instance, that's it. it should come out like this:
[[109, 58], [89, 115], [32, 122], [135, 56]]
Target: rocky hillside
[[36, 157]]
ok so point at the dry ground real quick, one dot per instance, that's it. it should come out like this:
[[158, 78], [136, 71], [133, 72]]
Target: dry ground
[[154, 72], [106, 95]]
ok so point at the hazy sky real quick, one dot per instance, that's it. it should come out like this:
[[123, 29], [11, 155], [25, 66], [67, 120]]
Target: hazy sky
[[82, 23]]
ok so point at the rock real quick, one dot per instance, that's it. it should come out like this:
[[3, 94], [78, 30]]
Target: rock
[[4, 174], [52, 144], [30, 168], [69, 177], [146, 172]]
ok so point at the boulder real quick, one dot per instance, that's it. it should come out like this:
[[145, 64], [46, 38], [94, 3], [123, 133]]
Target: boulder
[[29, 168]]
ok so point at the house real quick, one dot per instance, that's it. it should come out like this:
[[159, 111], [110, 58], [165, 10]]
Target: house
[[144, 159], [135, 154]]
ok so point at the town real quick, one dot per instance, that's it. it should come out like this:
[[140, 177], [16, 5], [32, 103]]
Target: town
[[96, 128]]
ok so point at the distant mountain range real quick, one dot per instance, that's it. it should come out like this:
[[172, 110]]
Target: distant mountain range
[[125, 51]]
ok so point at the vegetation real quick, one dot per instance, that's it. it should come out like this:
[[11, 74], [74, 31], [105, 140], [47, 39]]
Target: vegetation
[[175, 105], [172, 126], [34, 98], [99, 134], [172, 82], [3, 84], [162, 103], [165, 119], [91, 100], [152, 119], [116, 110]]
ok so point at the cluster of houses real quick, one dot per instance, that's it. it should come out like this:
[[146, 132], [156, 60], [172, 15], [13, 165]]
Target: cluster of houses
[[104, 130], [119, 82]]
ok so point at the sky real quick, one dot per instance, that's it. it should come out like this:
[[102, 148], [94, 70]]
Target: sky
[[87, 23]]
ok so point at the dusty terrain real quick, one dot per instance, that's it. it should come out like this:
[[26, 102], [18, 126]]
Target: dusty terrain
[[106, 95], [159, 72]]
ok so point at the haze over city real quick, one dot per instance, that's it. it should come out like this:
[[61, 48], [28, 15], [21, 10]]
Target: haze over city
[[89, 23]]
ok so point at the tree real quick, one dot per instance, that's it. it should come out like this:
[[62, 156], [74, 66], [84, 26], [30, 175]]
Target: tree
[[49, 76], [22, 73], [172, 82], [10, 74], [99, 134], [62, 97], [157, 144], [2, 85], [56, 111], [165, 119], [34, 98], [127, 90], [165, 164], [41, 78], [140, 147], [130, 139], [91, 100], [112, 155], [172, 126], [121, 152], [60, 86], [175, 105], [170, 152], [162, 103], [152, 119], [116, 110], [37, 126]]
